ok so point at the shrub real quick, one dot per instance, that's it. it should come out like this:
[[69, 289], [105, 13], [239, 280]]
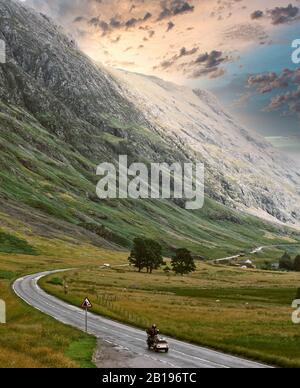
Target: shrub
[[56, 282], [286, 262], [297, 264]]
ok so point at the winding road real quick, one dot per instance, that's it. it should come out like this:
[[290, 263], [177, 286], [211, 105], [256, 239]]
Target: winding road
[[129, 339]]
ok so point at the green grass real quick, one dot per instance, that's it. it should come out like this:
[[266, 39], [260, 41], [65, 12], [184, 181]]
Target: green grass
[[52, 180], [280, 296], [81, 351], [31, 339], [7, 275], [247, 313], [13, 244], [56, 281]]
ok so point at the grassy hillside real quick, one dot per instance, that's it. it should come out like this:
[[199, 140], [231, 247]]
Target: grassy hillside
[[50, 186]]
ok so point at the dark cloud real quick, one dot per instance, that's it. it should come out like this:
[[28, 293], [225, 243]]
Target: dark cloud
[[115, 23], [257, 15], [182, 7], [288, 102], [281, 15], [172, 61], [208, 64], [290, 99], [171, 25], [265, 83], [95, 21], [184, 52], [131, 22], [79, 19], [175, 7], [147, 16]]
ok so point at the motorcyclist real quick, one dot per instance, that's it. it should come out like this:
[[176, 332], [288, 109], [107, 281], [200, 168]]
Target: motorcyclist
[[152, 333]]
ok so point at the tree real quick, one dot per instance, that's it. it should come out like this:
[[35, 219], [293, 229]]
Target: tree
[[286, 262], [297, 264], [154, 259], [183, 262], [146, 253], [138, 254]]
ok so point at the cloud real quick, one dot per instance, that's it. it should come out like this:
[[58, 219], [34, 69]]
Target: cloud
[[79, 19], [281, 15], [196, 26], [175, 7], [115, 23], [208, 64], [183, 52], [267, 82], [94, 21], [131, 22], [245, 32], [289, 101], [257, 15], [171, 25], [147, 16]]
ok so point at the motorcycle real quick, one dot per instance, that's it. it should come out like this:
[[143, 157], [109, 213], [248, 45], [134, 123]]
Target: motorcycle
[[157, 344]]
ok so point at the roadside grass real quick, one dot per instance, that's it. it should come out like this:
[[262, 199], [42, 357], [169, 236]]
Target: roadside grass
[[247, 313], [57, 281], [8, 275], [82, 351], [31, 339]]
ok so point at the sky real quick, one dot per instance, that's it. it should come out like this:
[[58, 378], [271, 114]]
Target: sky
[[240, 50]]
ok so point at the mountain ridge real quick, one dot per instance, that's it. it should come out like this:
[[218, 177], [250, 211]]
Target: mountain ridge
[[61, 115]]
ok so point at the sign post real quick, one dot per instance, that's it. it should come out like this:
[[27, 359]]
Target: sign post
[[86, 305]]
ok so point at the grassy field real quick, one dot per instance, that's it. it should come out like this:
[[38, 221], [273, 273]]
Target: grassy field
[[252, 316], [244, 312], [31, 339]]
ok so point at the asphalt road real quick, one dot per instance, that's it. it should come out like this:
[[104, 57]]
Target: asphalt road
[[129, 339]]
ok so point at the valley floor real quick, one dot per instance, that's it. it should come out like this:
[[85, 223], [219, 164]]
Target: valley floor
[[31, 339], [243, 312]]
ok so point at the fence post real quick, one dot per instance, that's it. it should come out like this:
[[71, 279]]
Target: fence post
[[2, 312]]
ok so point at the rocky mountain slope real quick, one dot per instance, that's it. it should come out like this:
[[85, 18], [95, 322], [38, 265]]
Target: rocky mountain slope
[[61, 115], [243, 170]]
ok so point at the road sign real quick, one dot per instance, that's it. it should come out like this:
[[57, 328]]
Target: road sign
[[86, 304]]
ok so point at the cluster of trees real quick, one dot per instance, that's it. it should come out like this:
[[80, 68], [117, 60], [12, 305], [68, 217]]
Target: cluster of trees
[[147, 254], [288, 264]]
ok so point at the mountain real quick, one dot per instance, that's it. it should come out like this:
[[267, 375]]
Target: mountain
[[61, 115], [243, 170]]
